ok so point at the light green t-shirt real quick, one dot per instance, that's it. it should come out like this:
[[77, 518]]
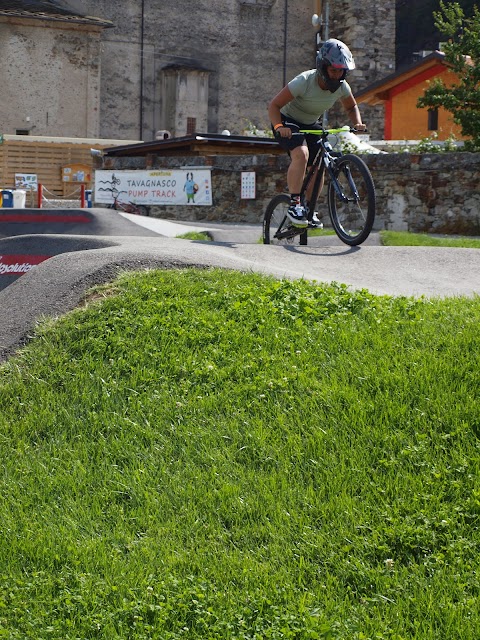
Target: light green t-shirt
[[309, 100]]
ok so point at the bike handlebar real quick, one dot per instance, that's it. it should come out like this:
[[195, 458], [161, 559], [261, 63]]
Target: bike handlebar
[[321, 132]]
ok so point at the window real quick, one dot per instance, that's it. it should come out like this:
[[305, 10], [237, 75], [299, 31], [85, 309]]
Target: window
[[22, 132], [432, 120], [191, 126]]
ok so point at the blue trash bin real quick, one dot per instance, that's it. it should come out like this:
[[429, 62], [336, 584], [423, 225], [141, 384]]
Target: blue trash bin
[[7, 198], [88, 197]]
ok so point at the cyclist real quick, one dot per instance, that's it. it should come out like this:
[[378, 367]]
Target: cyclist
[[299, 105]]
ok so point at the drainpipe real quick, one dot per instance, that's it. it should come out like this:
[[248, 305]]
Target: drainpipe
[[142, 45], [285, 25], [320, 21], [326, 37], [327, 21]]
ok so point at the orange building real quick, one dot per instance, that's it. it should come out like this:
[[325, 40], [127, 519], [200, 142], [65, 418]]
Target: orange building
[[399, 93]]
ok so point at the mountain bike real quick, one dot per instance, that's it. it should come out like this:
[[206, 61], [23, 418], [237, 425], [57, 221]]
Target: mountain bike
[[350, 196]]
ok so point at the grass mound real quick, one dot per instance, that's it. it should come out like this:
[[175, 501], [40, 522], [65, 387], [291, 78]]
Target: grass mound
[[207, 454], [195, 235]]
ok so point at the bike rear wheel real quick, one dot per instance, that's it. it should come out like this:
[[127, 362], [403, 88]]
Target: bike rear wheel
[[352, 211], [277, 229]]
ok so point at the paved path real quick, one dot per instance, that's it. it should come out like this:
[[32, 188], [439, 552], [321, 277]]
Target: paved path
[[77, 262]]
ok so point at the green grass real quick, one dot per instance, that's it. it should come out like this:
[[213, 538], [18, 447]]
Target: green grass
[[213, 455], [406, 238], [195, 235], [321, 232]]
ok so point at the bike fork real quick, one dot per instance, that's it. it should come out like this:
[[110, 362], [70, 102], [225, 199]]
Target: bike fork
[[338, 189]]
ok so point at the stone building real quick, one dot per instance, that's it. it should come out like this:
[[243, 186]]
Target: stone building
[[50, 61], [145, 66]]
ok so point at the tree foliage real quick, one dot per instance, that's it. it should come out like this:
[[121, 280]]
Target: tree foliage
[[462, 53], [415, 27]]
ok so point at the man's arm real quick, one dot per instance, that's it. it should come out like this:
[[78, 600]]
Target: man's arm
[[279, 101], [351, 107]]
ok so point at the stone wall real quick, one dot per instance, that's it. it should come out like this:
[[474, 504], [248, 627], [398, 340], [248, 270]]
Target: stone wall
[[246, 47], [368, 28], [432, 193], [50, 78], [249, 48], [63, 79]]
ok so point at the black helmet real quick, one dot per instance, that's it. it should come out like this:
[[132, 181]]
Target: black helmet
[[336, 54]]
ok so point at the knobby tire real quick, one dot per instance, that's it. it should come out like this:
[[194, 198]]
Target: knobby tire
[[352, 220], [275, 221]]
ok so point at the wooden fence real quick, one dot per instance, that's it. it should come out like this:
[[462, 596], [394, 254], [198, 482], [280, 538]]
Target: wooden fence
[[47, 159]]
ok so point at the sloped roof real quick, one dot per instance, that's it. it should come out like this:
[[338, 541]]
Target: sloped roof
[[377, 92], [199, 144], [50, 10]]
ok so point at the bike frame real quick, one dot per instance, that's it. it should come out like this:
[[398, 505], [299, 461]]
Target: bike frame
[[324, 162], [350, 194]]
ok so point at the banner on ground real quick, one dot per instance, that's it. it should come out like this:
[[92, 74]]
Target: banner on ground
[[19, 264], [156, 186]]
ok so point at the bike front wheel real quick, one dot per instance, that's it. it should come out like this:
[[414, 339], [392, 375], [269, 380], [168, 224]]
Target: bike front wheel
[[351, 200], [277, 229]]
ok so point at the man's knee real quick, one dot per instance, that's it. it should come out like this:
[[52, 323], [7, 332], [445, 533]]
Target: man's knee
[[299, 154]]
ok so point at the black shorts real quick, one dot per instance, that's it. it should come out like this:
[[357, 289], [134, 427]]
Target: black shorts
[[297, 140]]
